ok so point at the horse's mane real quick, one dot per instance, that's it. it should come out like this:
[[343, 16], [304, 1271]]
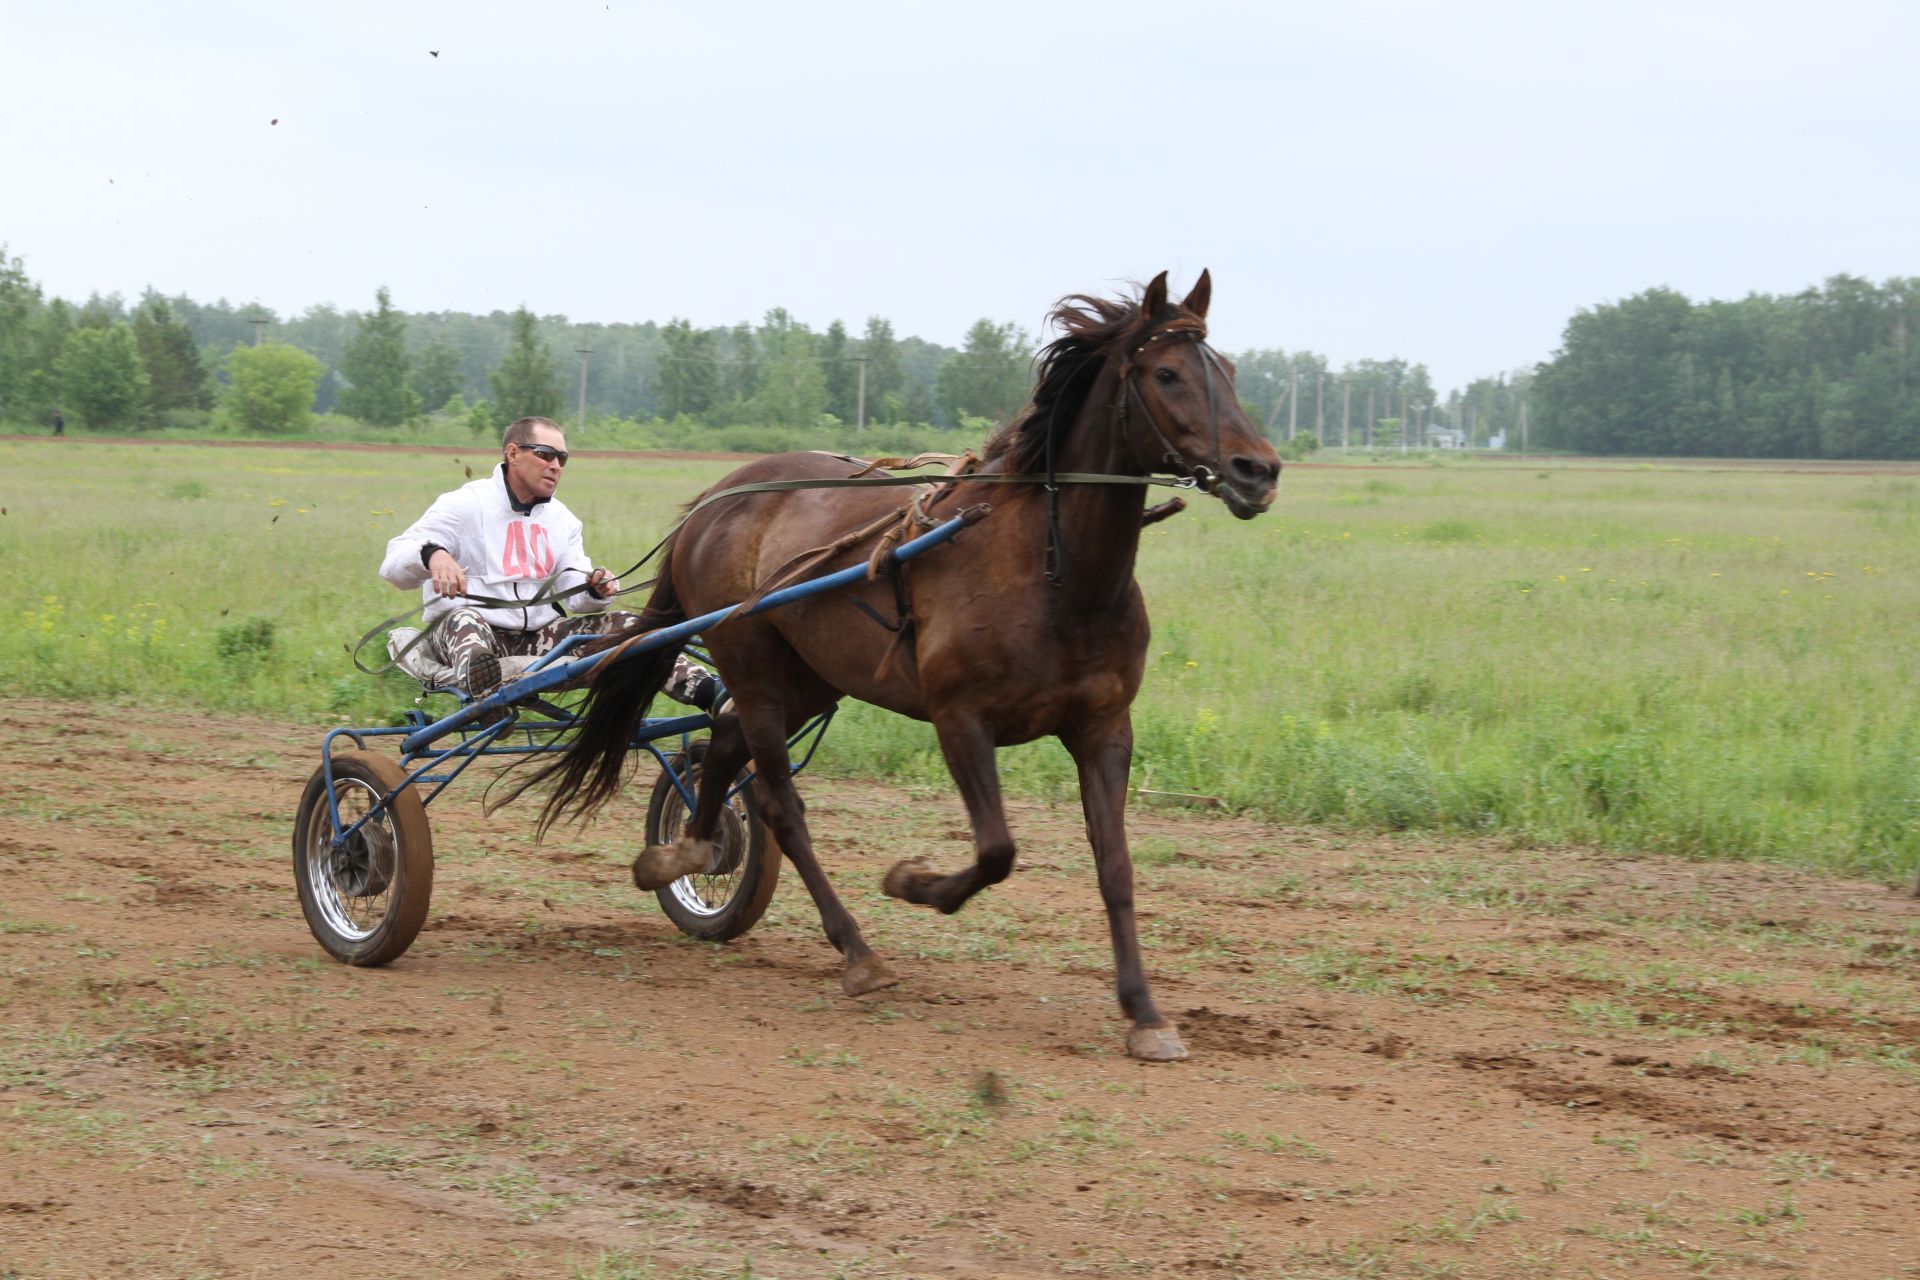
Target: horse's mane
[[1091, 330]]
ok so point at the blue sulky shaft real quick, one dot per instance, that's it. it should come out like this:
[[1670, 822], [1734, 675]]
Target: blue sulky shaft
[[539, 681]]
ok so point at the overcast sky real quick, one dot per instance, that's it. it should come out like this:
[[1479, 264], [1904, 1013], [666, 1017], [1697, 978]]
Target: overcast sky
[[1443, 182]]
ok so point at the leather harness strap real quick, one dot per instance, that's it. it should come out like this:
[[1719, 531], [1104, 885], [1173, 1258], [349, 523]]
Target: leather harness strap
[[1199, 476]]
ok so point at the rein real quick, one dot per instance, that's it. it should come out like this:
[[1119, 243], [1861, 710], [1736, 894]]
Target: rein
[[1050, 478], [1203, 476]]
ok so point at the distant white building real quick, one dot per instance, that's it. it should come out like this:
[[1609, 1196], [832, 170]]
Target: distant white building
[[1446, 438]]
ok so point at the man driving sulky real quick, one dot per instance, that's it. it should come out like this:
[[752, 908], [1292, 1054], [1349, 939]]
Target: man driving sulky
[[498, 540]]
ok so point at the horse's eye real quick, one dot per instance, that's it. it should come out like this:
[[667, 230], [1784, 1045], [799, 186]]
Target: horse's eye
[[1166, 375]]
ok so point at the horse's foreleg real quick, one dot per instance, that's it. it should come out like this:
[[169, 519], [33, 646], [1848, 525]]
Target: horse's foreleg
[[1105, 760], [785, 815], [660, 865], [968, 749]]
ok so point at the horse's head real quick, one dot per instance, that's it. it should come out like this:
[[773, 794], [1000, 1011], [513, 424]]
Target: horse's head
[[1179, 405]]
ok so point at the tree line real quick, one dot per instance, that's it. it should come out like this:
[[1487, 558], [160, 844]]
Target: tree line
[[176, 362], [1832, 372], [167, 361]]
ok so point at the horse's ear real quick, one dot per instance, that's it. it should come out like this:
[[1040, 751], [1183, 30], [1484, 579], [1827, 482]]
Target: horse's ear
[[1154, 301], [1202, 294]]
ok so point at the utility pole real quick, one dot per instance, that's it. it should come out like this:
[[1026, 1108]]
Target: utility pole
[[259, 324], [1273, 415], [1319, 406], [581, 425], [1293, 404], [860, 417], [1523, 427], [1373, 423], [1346, 408]]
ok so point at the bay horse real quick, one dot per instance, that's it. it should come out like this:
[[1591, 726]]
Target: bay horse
[[1030, 624]]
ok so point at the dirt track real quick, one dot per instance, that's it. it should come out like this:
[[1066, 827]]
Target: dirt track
[[1410, 1058]]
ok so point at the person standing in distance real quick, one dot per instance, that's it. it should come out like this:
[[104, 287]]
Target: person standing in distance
[[503, 537]]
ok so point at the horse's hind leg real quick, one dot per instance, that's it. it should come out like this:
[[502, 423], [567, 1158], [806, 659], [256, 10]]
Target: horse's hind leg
[[661, 864], [968, 749], [785, 814]]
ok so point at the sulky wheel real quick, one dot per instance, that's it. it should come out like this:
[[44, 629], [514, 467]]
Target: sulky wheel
[[730, 898], [366, 900]]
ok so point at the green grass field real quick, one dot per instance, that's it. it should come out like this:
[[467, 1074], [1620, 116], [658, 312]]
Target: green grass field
[[1697, 661]]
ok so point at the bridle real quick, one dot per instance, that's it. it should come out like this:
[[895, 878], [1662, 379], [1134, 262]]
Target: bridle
[[1204, 476]]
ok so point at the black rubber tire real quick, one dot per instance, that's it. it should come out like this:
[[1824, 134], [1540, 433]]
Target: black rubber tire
[[366, 905], [731, 900]]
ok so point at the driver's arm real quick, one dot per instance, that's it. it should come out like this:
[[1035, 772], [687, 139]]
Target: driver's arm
[[435, 536]]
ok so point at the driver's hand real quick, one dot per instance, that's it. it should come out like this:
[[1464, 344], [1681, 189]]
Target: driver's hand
[[449, 579], [602, 583]]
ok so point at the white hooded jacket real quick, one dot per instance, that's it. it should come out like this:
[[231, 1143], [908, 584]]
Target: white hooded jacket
[[508, 550]]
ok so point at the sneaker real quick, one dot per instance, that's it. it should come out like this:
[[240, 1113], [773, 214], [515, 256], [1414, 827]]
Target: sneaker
[[483, 677], [703, 691]]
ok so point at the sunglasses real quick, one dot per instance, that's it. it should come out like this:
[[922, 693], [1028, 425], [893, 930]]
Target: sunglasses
[[547, 453]]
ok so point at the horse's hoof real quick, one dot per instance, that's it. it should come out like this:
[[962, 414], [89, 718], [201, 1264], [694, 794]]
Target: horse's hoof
[[867, 974], [659, 865], [902, 876], [1155, 1044]]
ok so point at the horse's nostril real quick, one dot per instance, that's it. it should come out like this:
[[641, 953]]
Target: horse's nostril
[[1249, 470]]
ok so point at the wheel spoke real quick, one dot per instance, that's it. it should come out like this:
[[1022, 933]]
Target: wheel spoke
[[352, 887], [708, 894], [724, 899], [366, 897]]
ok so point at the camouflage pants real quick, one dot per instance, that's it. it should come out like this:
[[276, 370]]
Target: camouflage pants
[[465, 633]]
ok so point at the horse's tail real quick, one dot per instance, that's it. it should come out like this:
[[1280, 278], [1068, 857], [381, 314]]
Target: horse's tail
[[587, 772]]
